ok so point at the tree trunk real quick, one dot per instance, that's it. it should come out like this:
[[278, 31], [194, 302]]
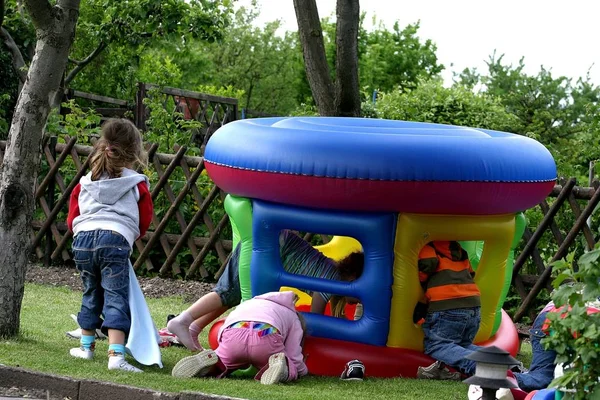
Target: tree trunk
[[315, 60], [55, 29], [347, 91], [341, 98]]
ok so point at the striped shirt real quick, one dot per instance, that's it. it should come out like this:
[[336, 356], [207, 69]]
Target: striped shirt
[[299, 257], [446, 273]]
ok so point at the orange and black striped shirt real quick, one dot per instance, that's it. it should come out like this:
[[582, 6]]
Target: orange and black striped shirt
[[447, 276]]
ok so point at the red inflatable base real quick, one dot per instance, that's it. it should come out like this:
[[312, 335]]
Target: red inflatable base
[[327, 357]]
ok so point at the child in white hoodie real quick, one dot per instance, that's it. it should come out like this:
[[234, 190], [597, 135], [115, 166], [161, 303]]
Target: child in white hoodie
[[109, 209], [265, 332]]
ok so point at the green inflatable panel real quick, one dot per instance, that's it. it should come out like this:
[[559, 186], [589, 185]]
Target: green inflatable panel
[[239, 210], [520, 224], [475, 249]]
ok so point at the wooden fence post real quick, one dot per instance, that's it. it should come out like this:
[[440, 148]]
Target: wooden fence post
[[50, 200]]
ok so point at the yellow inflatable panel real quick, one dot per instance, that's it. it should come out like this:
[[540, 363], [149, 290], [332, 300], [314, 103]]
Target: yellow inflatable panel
[[303, 298], [413, 231], [339, 247]]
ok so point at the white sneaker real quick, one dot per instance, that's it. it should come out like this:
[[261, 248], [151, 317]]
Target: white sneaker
[[119, 363], [80, 352], [76, 333], [198, 365], [277, 371]]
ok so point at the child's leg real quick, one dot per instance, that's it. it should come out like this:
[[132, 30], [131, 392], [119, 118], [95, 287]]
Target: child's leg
[[444, 330], [268, 355], [116, 352], [200, 323], [205, 306], [93, 295], [229, 356], [113, 251], [226, 294]]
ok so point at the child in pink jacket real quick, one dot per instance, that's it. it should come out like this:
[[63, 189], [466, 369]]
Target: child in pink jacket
[[266, 332]]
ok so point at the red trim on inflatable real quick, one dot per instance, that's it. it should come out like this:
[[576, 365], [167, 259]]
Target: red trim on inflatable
[[328, 357], [425, 197]]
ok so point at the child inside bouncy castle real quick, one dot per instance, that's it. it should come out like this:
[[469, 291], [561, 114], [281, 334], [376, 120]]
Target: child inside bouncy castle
[[298, 257], [452, 310], [266, 332]]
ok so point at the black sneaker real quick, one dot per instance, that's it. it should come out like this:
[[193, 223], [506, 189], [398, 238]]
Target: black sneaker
[[353, 371]]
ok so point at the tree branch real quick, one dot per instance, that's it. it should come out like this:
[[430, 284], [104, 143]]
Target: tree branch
[[17, 57], [79, 65], [40, 12], [1, 12], [315, 60], [347, 99]]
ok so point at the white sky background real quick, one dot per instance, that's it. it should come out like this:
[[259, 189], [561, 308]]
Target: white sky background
[[563, 35]]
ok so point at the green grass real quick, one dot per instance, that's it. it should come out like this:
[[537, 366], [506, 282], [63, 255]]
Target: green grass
[[43, 346]]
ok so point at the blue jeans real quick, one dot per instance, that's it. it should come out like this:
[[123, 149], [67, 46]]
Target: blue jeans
[[102, 258], [228, 286], [449, 337], [541, 371]]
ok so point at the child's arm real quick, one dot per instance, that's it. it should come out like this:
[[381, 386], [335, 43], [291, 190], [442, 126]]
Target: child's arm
[[145, 207], [73, 206], [428, 263], [293, 348], [318, 303]]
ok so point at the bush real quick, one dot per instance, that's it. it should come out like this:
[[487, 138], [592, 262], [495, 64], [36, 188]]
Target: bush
[[432, 102], [575, 335]]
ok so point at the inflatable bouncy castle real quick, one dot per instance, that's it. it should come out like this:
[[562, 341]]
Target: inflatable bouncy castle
[[388, 187]]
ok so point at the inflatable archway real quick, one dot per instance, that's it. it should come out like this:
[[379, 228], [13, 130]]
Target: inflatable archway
[[393, 186]]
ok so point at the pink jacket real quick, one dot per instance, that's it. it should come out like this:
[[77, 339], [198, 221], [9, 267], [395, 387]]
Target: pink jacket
[[276, 309]]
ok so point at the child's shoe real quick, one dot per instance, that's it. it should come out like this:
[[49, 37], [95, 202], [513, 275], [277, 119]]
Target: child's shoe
[[80, 352], [277, 371], [116, 361], [198, 365], [354, 371], [438, 370]]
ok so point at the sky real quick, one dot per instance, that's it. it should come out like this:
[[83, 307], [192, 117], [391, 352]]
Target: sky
[[561, 35]]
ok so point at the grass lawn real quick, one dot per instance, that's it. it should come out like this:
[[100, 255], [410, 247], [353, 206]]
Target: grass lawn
[[43, 346]]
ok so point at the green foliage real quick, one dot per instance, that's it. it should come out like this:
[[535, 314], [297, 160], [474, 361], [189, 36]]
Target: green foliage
[[432, 102], [396, 59], [168, 128], [158, 69], [223, 91], [5, 100], [388, 60], [132, 32], [73, 122], [575, 333]]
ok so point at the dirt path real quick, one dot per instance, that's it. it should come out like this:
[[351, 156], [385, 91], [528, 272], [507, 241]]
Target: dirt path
[[152, 287]]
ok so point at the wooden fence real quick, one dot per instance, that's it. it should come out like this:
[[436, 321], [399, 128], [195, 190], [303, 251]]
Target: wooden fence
[[579, 204], [174, 233]]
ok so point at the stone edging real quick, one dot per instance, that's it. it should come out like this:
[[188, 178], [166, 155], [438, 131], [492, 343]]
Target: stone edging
[[85, 389]]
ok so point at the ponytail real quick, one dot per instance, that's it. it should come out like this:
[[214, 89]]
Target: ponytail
[[119, 147]]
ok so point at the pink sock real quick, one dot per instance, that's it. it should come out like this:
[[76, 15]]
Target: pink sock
[[194, 333], [180, 326]]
